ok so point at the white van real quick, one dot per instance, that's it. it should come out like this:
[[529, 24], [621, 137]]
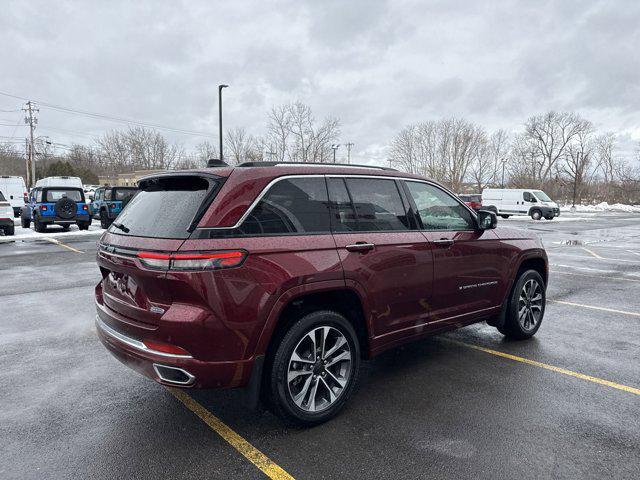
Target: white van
[[59, 182], [15, 192], [514, 201]]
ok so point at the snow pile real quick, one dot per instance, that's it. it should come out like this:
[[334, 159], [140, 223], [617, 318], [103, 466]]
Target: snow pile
[[604, 207]]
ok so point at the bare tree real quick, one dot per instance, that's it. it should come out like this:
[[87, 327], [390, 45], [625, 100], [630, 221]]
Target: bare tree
[[243, 147], [293, 134], [549, 136], [578, 162], [491, 160]]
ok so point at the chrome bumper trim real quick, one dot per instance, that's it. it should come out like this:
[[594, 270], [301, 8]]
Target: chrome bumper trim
[[132, 342]]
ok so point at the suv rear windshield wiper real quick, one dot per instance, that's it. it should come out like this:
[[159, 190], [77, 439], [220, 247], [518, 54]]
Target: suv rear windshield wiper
[[121, 227]]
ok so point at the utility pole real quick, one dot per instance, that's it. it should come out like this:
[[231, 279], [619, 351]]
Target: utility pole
[[349, 145], [26, 161], [220, 87], [31, 120]]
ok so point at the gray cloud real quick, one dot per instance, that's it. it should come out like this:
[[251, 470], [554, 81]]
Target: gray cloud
[[376, 65]]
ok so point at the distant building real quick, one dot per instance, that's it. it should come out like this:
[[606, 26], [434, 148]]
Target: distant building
[[129, 179]]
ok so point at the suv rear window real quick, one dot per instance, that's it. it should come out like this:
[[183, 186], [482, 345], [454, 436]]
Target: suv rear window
[[165, 207], [55, 195], [122, 193]]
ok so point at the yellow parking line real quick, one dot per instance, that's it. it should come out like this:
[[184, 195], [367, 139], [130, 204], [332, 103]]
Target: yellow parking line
[[255, 456], [592, 307], [553, 368], [56, 242], [591, 252]]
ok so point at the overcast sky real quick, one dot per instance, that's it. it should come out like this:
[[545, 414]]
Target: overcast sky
[[375, 65]]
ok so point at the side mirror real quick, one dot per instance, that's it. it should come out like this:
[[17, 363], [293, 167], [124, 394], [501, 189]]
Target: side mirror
[[487, 220]]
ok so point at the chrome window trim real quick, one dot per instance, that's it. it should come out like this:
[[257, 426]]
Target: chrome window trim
[[265, 190], [132, 342]]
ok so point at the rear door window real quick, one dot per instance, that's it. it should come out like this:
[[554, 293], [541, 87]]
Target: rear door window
[[375, 205], [123, 193], [165, 207], [290, 206]]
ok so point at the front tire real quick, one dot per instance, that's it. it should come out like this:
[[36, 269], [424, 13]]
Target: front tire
[[315, 368], [525, 309], [104, 220], [536, 214]]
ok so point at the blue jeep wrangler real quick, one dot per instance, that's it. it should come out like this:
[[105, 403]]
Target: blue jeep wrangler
[[108, 202], [56, 206]]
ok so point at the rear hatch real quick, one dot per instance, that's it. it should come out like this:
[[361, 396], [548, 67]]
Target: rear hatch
[[155, 223]]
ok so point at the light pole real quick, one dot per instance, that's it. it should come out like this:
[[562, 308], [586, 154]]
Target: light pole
[[220, 87], [503, 164], [335, 147]]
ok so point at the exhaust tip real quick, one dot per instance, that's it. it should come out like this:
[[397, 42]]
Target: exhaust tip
[[173, 375]]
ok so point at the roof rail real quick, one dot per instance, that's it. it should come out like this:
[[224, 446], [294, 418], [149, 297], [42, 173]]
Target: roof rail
[[312, 164]]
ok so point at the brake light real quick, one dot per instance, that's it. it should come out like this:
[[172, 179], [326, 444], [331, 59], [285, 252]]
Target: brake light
[[113, 205], [165, 348], [84, 207], [43, 207], [193, 261], [26, 197]]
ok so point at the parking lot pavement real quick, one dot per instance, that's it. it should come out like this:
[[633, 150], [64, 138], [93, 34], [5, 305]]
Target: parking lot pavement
[[53, 232], [466, 404]]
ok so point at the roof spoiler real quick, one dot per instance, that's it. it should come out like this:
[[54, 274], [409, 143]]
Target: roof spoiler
[[215, 163]]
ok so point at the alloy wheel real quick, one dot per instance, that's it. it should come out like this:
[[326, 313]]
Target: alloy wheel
[[319, 369], [530, 305]]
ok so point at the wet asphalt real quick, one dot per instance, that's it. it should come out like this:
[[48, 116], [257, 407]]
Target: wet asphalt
[[431, 409]]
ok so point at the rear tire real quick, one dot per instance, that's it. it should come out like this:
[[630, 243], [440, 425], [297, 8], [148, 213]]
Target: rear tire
[[25, 223], [39, 226], [10, 230], [525, 309], [549, 217], [104, 220], [536, 214], [505, 216], [84, 225], [307, 392]]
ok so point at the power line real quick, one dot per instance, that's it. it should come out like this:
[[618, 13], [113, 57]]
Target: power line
[[102, 116]]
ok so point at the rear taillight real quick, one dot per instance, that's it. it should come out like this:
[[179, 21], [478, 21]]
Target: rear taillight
[[165, 348], [43, 207], [84, 207], [113, 205], [193, 261], [26, 197]]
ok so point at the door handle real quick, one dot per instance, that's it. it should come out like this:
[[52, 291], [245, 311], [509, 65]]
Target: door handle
[[443, 242], [360, 247]]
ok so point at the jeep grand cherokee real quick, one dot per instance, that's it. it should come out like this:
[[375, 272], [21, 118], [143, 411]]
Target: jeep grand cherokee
[[282, 277]]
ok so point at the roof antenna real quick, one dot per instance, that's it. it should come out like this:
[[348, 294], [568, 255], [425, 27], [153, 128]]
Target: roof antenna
[[215, 163]]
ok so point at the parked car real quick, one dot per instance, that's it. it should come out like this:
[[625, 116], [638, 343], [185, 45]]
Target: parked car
[[63, 181], [110, 202], [281, 277], [56, 206], [512, 201], [15, 192], [6, 216], [471, 200]]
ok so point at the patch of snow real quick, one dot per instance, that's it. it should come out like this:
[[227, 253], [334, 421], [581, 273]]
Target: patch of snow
[[604, 207], [52, 232]]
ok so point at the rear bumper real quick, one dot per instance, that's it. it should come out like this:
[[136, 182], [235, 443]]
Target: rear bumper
[[64, 221], [134, 354]]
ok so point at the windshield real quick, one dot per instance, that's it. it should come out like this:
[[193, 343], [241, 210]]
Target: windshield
[[164, 207], [542, 196], [55, 195]]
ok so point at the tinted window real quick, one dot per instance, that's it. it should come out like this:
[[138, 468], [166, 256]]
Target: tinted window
[[2, 199], [122, 193], [55, 195], [527, 197], [107, 194], [366, 204], [38, 195], [297, 205], [343, 216], [164, 208], [438, 210]]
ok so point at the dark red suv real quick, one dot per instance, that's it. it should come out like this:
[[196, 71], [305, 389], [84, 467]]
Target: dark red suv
[[282, 277]]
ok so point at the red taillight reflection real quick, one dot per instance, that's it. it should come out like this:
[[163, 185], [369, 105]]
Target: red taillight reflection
[[193, 261], [165, 348], [43, 207]]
